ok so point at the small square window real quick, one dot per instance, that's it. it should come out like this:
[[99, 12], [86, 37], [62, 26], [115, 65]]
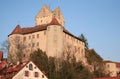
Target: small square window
[[37, 35], [26, 73], [33, 36], [30, 67], [24, 39], [42, 76], [44, 32], [33, 44], [36, 74], [29, 45], [29, 37], [37, 43]]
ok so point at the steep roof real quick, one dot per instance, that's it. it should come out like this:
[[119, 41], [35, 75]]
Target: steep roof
[[15, 69], [54, 22], [17, 30]]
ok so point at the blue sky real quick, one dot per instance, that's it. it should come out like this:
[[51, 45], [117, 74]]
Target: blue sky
[[98, 20]]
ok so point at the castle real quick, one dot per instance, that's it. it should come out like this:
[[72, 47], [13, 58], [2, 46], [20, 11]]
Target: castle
[[49, 35]]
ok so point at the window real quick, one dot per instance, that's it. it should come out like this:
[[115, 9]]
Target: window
[[41, 21], [37, 43], [44, 32], [36, 74], [108, 65], [29, 45], [33, 36], [30, 67], [33, 44], [37, 35], [42, 76], [29, 37], [24, 39], [17, 38], [26, 73]]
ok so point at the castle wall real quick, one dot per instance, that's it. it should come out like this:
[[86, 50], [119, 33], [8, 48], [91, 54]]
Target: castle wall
[[54, 41]]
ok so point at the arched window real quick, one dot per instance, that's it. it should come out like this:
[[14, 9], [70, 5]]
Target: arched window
[[30, 67]]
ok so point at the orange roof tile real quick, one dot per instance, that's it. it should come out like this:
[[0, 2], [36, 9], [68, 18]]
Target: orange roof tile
[[17, 30], [54, 22]]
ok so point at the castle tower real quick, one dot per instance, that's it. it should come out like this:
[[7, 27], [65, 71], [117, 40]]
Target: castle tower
[[58, 15], [45, 16], [54, 47]]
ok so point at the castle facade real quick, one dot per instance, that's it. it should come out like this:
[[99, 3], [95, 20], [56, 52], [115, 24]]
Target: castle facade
[[49, 35]]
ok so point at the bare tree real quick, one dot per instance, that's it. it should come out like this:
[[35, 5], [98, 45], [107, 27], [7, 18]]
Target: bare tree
[[4, 47], [16, 50]]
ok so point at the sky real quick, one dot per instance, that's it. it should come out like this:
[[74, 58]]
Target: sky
[[98, 20]]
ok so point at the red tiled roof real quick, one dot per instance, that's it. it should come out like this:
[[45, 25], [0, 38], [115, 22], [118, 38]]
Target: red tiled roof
[[14, 68], [1, 55], [3, 64], [19, 30]]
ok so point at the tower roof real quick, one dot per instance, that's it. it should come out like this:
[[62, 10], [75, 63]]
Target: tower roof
[[17, 30], [54, 22]]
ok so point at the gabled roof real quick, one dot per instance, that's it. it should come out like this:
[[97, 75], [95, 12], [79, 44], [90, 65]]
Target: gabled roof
[[16, 69]]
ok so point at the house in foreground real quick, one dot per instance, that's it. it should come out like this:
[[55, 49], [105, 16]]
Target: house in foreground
[[27, 70]]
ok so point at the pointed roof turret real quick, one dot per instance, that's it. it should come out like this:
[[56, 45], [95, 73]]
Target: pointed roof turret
[[17, 30], [54, 22]]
